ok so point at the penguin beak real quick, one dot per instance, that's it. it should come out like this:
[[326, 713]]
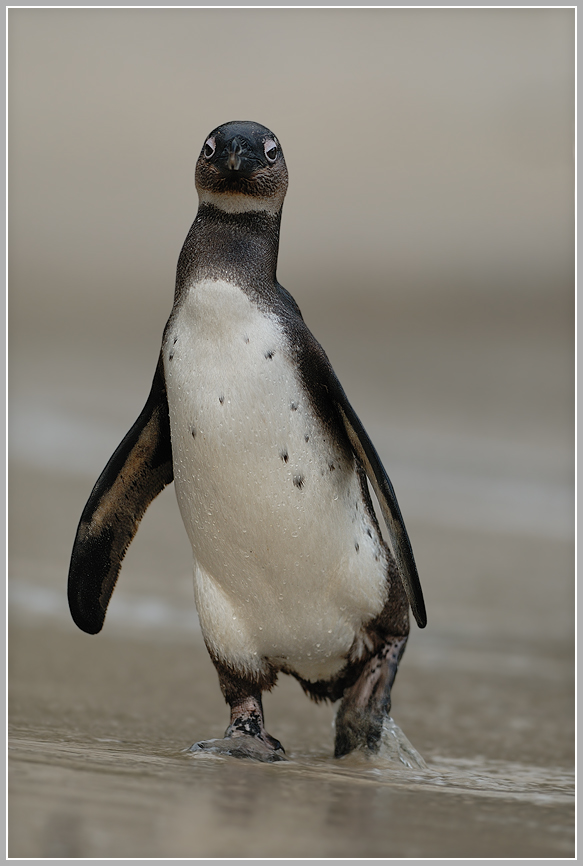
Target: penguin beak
[[237, 159], [234, 155]]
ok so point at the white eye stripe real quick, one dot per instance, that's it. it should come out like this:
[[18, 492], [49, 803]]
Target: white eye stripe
[[270, 148], [209, 147]]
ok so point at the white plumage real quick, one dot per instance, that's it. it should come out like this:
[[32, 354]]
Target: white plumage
[[288, 565]]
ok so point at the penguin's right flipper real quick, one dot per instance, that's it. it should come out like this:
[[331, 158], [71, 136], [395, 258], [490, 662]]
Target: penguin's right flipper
[[138, 470]]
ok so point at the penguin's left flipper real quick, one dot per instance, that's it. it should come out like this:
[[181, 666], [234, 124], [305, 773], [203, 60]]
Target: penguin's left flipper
[[387, 499], [138, 470], [321, 381]]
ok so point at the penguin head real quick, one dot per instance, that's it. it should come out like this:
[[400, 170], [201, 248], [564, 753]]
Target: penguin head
[[241, 168]]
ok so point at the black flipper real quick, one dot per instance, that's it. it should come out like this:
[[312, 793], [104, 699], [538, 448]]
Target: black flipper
[[385, 493], [139, 469]]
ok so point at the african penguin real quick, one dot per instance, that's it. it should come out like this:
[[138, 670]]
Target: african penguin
[[270, 464]]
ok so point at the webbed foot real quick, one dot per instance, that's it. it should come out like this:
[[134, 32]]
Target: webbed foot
[[242, 746], [246, 736]]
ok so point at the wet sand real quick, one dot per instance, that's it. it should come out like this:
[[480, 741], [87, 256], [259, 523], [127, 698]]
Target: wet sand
[[443, 296]]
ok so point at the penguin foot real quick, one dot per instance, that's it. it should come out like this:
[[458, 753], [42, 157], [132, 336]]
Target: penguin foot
[[364, 710], [243, 746], [246, 736], [357, 729]]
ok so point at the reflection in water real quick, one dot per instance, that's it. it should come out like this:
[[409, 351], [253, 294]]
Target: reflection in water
[[116, 800], [475, 777]]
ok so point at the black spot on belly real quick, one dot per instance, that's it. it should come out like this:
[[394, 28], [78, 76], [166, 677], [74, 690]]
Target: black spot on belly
[[193, 431], [171, 355], [356, 546], [331, 467], [306, 437], [299, 481], [293, 406], [269, 354], [222, 399], [368, 532], [246, 338], [284, 455]]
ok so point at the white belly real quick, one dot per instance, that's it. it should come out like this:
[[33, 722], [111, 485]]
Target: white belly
[[288, 566]]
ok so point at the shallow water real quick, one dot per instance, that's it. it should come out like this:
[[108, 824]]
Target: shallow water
[[107, 799], [98, 767]]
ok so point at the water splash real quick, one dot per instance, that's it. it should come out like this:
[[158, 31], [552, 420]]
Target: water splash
[[396, 748]]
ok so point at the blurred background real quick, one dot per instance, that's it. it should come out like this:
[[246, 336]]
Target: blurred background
[[428, 238]]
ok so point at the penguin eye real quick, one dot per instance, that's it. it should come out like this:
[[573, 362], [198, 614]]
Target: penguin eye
[[270, 148], [209, 147]]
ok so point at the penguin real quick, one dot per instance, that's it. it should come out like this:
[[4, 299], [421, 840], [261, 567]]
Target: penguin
[[270, 465]]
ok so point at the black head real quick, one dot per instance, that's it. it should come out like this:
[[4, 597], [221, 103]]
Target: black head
[[241, 167]]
